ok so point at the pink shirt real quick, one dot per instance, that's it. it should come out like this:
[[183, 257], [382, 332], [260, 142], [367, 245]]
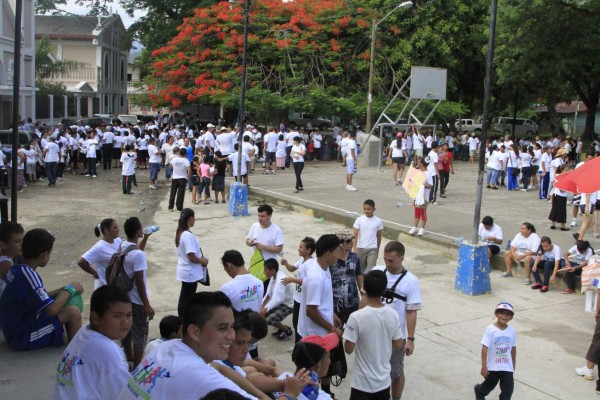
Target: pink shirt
[[204, 170]]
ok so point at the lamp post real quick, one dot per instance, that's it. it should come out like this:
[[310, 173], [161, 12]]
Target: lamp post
[[15, 110], [406, 4], [487, 89]]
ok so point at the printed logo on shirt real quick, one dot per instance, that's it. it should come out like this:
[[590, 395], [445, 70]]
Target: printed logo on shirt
[[64, 372], [145, 377], [249, 294], [503, 347], [42, 294]]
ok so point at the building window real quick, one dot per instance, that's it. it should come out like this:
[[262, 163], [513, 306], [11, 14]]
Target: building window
[[122, 71], [105, 66]]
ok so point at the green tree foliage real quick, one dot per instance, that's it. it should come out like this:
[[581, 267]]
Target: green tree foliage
[[545, 45], [47, 66]]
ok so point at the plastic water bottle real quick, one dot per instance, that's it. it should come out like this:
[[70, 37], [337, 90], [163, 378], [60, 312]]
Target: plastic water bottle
[[311, 392], [596, 283], [508, 245], [149, 230]]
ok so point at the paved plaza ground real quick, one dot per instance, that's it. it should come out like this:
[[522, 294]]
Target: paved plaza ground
[[553, 329]]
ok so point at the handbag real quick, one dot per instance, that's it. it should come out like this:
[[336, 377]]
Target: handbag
[[205, 281]]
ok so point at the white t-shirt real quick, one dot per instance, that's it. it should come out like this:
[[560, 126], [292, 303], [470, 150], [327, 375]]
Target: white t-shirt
[[154, 158], [168, 150], [428, 141], [91, 148], [271, 236], [91, 367], [271, 139], [525, 159], [495, 232], [280, 150], [233, 157], [31, 155], [300, 274], [409, 287], [237, 369], [351, 146], [525, 244], [344, 146], [180, 166], [135, 261], [52, 151], [432, 167], [245, 292], [296, 153], [153, 344], [99, 256], [368, 228], [128, 161], [396, 151], [417, 142], [317, 138], [499, 343], [545, 160], [317, 290], [278, 292], [178, 373], [578, 257], [225, 142], [473, 142], [372, 330], [552, 255], [188, 271], [493, 160], [108, 137]]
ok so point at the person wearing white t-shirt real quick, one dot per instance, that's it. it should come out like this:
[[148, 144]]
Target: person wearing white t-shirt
[[278, 301], [233, 160], [417, 142], [127, 160], [92, 145], [50, 155], [181, 173], [317, 315], [135, 268], [473, 143], [498, 354], [367, 234], [372, 331], [93, 366], [182, 367], [270, 148], [344, 147], [153, 162], [433, 170], [490, 234], [523, 248], [544, 172], [317, 139], [298, 153], [170, 327], [549, 259], [403, 296], [245, 291], [107, 149], [265, 237], [351, 154], [95, 260], [191, 262]]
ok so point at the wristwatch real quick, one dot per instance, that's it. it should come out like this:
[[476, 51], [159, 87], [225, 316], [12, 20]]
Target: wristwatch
[[412, 339]]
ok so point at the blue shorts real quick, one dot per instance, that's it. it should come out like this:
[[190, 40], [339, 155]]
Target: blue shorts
[[154, 170], [350, 163], [36, 333]]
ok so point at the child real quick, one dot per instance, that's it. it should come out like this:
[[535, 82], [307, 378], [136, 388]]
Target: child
[[498, 355], [218, 181], [204, 171], [305, 251], [351, 154], [31, 164], [367, 231], [33, 317], [278, 301], [280, 153], [195, 180], [420, 202], [170, 327], [576, 258], [128, 170], [373, 331], [93, 356], [11, 239]]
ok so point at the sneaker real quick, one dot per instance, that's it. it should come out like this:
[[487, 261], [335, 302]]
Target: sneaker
[[286, 335], [352, 188], [544, 289], [413, 230], [435, 203], [94, 176], [523, 190], [171, 210], [585, 372], [527, 282], [87, 175], [506, 275], [536, 286], [574, 222], [153, 187], [277, 333], [421, 232]]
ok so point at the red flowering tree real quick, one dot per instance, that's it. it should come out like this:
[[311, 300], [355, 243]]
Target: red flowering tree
[[309, 55]]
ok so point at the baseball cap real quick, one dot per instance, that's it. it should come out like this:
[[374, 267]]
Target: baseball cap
[[505, 306], [399, 134], [209, 125], [310, 350]]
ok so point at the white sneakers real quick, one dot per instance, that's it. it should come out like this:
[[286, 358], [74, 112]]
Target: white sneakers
[[418, 231], [421, 232], [153, 187], [585, 372], [351, 188], [413, 230], [573, 222]]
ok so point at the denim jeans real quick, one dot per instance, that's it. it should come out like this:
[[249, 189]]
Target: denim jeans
[[492, 176], [51, 169], [513, 181], [544, 185], [548, 267]]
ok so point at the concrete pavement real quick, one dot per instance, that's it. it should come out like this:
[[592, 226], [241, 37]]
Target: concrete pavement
[[553, 330]]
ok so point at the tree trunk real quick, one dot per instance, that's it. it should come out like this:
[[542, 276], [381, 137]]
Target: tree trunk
[[553, 117], [590, 122]]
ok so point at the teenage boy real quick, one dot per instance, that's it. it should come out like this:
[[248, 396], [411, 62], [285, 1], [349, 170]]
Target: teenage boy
[[32, 317], [403, 296], [244, 290], [93, 366], [351, 154], [182, 172], [136, 268], [373, 331], [265, 237], [128, 158], [278, 301], [367, 233], [170, 327]]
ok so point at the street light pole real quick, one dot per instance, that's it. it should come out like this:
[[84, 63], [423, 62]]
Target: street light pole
[[15, 110], [487, 89], [243, 90], [406, 4]]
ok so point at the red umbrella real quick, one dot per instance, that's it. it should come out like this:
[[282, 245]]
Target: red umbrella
[[585, 179]]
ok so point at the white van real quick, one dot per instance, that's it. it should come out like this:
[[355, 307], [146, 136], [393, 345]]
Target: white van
[[523, 126], [130, 119]]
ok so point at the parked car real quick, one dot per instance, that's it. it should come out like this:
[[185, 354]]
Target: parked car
[[302, 119], [469, 125], [523, 126], [106, 118], [91, 122], [6, 137], [145, 118], [130, 119]]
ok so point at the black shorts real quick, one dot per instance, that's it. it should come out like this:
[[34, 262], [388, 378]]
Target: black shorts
[[270, 157], [592, 209], [398, 160], [494, 249], [116, 153], [143, 154]]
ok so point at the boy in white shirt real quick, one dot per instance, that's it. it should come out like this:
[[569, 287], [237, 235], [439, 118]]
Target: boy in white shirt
[[373, 331], [128, 158], [93, 356], [351, 154], [170, 327], [244, 290], [367, 233], [278, 301], [498, 355]]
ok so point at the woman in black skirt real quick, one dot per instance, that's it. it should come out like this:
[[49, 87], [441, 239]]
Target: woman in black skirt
[[558, 213]]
